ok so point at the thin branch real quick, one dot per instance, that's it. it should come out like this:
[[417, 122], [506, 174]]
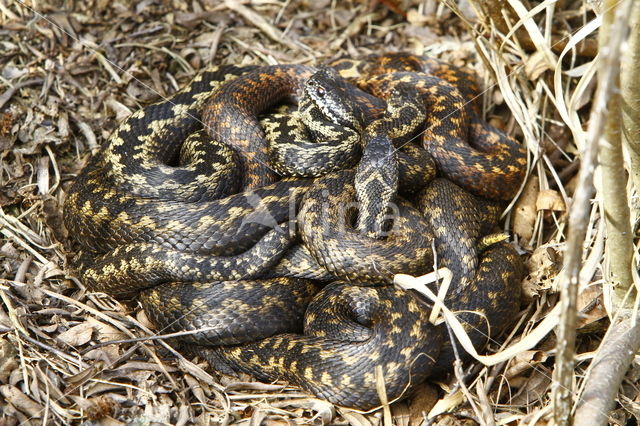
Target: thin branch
[[609, 367], [615, 204], [630, 87]]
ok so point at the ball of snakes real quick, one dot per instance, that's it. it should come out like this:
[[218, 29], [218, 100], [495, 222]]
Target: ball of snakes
[[266, 209]]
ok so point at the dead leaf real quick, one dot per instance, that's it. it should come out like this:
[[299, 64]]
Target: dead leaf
[[142, 318], [8, 361], [591, 306], [524, 361], [447, 403], [191, 20], [83, 375], [105, 332], [543, 266], [549, 199], [108, 354], [21, 401], [77, 335], [525, 211], [53, 218], [354, 418], [119, 108], [532, 386], [195, 388]]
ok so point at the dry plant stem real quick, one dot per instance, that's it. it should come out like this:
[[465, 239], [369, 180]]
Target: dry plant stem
[[579, 214], [609, 367], [619, 242], [630, 87]]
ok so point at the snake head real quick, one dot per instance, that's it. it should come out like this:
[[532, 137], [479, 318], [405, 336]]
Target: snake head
[[327, 95], [376, 183], [378, 152]]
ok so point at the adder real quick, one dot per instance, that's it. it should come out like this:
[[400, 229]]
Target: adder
[[186, 249]]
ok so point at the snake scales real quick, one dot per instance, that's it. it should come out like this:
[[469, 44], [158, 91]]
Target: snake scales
[[207, 233]]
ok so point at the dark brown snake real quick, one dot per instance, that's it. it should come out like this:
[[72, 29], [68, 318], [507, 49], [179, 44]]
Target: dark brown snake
[[219, 247]]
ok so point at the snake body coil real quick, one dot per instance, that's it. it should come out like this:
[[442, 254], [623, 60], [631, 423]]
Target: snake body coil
[[278, 248]]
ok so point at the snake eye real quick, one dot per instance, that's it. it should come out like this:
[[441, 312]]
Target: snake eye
[[320, 91]]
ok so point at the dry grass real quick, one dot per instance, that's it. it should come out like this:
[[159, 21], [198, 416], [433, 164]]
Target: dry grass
[[72, 70]]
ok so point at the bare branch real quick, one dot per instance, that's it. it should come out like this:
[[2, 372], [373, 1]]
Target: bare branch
[[630, 87], [615, 204], [609, 367]]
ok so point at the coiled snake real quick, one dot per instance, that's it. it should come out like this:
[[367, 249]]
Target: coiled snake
[[209, 232]]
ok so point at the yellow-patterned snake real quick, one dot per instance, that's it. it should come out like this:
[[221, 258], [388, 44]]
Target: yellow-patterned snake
[[278, 249]]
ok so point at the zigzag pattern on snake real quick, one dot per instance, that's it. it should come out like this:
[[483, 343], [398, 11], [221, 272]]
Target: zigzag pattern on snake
[[204, 231]]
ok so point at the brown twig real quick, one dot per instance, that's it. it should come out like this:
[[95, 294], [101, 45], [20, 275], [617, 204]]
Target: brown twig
[[609, 367]]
